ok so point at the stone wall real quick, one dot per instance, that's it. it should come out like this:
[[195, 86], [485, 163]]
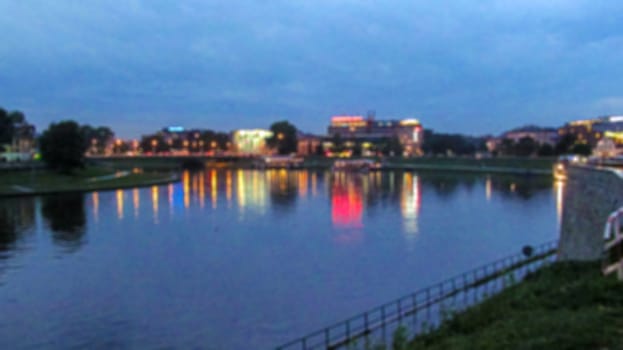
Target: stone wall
[[590, 195]]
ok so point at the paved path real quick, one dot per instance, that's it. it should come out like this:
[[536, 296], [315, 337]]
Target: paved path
[[22, 189], [116, 175]]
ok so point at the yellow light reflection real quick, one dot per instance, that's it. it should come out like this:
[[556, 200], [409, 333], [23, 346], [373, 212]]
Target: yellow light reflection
[[170, 190], [410, 205], [303, 181], [240, 190], [120, 204], [228, 188], [202, 190], [154, 202], [488, 188], [96, 205], [214, 187], [314, 184], [186, 188], [136, 201], [283, 180]]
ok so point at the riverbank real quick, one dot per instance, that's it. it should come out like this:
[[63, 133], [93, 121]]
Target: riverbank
[[38, 182], [563, 306], [503, 165]]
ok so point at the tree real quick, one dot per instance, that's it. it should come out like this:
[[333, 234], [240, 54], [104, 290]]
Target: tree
[[507, 147], [357, 149], [222, 140], [338, 143], [284, 137], [526, 146], [17, 117], [392, 147], [435, 143], [546, 150], [62, 146], [319, 150], [6, 127], [565, 143], [583, 149], [97, 139]]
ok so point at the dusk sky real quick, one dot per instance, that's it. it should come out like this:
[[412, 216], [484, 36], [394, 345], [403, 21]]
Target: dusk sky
[[475, 67]]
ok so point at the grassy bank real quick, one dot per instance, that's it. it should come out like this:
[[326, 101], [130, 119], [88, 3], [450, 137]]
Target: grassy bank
[[89, 179], [168, 163], [564, 306], [510, 165], [501, 165]]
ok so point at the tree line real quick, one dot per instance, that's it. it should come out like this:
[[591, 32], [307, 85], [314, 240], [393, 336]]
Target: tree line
[[63, 145]]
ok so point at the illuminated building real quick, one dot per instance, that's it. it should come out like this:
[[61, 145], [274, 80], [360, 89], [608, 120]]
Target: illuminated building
[[357, 129], [181, 140], [251, 142], [592, 130], [307, 144], [538, 134], [22, 146]]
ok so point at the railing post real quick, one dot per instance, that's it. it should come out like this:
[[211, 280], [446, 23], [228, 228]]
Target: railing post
[[383, 315], [327, 339], [348, 330]]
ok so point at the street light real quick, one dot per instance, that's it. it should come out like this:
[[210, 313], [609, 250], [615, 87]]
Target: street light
[[154, 143], [280, 136]]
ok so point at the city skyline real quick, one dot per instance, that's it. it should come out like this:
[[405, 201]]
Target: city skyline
[[457, 67]]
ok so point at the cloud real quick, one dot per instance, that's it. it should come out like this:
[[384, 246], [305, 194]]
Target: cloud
[[477, 67]]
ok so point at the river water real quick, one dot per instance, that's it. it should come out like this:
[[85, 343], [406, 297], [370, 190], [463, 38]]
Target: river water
[[243, 259]]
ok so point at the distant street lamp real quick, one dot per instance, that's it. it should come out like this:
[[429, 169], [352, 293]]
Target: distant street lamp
[[280, 136], [154, 143], [118, 145]]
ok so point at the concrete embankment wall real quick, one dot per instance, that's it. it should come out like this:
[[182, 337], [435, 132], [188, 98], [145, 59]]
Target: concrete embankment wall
[[591, 194]]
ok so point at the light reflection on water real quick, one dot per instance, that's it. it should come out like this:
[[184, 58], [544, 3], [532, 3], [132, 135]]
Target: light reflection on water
[[226, 257]]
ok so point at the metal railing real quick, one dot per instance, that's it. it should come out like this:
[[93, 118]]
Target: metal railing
[[423, 310], [613, 248]]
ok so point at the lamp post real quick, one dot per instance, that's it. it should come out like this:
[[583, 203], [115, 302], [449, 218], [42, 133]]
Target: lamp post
[[154, 143]]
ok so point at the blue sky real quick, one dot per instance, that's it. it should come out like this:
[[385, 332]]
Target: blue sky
[[459, 66]]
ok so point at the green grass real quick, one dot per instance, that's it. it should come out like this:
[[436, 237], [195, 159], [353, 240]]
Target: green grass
[[564, 306], [47, 181]]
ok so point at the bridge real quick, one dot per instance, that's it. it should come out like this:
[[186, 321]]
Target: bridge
[[197, 161]]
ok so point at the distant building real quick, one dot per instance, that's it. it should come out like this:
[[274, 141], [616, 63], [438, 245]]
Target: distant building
[[22, 146], [308, 144], [359, 129], [251, 141], [180, 139], [539, 134], [592, 130], [185, 141], [23, 138]]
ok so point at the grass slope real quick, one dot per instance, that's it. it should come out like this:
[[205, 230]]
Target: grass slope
[[564, 306], [45, 181]]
